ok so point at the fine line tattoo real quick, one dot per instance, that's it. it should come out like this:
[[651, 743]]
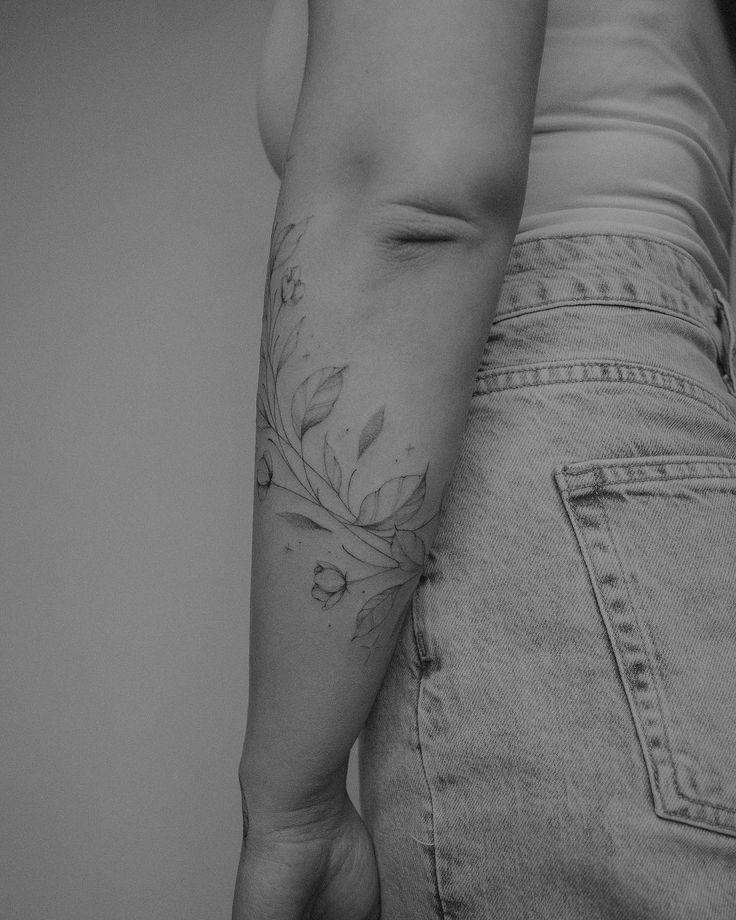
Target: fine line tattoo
[[382, 520]]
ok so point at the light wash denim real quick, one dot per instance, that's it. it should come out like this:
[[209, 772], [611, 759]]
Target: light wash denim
[[555, 738]]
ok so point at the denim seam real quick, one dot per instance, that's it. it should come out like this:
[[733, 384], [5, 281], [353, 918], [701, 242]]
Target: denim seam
[[576, 493], [678, 250], [602, 584], [601, 301], [620, 302], [655, 705], [589, 362], [423, 661], [726, 353], [707, 290], [659, 462], [488, 381], [424, 658]]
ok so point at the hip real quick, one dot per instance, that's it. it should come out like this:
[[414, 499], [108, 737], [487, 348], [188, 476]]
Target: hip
[[554, 734]]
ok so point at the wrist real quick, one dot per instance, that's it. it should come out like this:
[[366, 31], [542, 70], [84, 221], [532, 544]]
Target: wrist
[[271, 800]]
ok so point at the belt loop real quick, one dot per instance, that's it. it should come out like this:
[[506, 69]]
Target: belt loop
[[728, 370]]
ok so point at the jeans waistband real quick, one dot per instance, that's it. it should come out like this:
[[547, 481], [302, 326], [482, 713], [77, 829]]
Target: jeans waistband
[[629, 271]]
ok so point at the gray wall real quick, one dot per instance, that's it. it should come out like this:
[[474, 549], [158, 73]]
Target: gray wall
[[135, 213]]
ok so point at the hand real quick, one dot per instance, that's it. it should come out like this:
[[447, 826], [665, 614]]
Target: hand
[[324, 869]]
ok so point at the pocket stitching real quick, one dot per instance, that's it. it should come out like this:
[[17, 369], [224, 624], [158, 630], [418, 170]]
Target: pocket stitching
[[655, 758], [653, 738], [488, 381], [661, 709], [709, 467]]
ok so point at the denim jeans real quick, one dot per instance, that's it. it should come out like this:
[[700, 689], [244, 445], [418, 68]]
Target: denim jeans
[[556, 733]]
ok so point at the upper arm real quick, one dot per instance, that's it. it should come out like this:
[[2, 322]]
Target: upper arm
[[280, 77], [409, 93]]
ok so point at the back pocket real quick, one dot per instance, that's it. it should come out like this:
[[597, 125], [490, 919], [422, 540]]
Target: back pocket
[[658, 536]]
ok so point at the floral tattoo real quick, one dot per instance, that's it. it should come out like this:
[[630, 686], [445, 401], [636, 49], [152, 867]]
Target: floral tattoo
[[383, 520]]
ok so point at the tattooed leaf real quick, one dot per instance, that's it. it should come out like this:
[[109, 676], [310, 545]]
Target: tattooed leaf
[[302, 521], [315, 397], [261, 416], [315, 480], [371, 431], [332, 467], [375, 611], [290, 346], [284, 243], [394, 503], [328, 500], [278, 235], [264, 473], [408, 550], [292, 288]]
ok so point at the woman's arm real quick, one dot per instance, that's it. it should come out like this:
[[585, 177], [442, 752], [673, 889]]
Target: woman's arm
[[399, 204], [280, 77]]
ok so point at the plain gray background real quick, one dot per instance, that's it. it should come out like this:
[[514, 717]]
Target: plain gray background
[[136, 212]]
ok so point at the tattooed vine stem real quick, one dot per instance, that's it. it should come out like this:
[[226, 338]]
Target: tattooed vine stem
[[383, 519]]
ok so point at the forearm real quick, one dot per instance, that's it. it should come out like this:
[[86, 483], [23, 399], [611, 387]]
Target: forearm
[[374, 322]]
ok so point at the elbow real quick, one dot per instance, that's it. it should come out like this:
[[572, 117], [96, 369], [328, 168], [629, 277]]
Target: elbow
[[468, 204], [472, 185]]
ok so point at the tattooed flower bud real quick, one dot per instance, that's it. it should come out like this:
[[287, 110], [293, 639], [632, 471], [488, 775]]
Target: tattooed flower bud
[[329, 584], [264, 473], [292, 289]]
